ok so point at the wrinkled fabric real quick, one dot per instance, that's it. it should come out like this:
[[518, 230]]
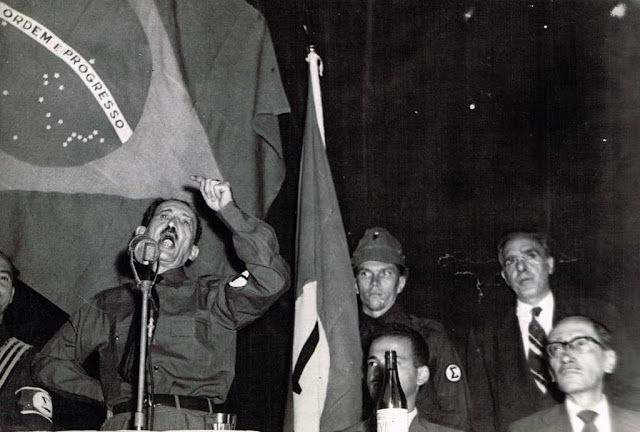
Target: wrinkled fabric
[[193, 348]]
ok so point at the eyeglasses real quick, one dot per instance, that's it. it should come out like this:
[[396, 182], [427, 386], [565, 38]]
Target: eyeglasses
[[529, 257], [579, 344]]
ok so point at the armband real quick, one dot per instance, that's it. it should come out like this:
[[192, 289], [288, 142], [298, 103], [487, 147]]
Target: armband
[[34, 400]]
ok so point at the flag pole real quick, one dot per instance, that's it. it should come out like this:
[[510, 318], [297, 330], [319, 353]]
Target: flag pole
[[315, 72], [325, 388]]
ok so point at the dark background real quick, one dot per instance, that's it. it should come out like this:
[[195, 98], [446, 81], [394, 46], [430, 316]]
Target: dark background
[[451, 122]]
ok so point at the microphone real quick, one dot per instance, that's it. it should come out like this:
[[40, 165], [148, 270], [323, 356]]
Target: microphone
[[144, 249]]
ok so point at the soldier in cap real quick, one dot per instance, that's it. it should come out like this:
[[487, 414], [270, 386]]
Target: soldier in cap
[[381, 275]]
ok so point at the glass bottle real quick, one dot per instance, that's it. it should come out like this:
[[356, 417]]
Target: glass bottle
[[391, 408]]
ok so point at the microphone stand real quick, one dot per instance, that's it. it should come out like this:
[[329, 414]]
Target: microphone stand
[[146, 330]]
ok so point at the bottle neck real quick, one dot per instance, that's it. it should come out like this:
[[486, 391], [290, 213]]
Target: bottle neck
[[390, 360]]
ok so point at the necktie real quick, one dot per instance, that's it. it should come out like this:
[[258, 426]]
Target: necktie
[[588, 417], [536, 359], [128, 368]]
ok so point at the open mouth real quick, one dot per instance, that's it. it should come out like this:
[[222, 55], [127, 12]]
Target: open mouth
[[168, 240]]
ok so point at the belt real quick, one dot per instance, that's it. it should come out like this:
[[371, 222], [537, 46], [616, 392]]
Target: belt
[[187, 402]]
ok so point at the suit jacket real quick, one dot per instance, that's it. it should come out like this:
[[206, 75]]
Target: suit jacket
[[556, 419], [501, 386], [419, 424]]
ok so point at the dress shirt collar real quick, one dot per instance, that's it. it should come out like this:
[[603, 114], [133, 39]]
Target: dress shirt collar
[[602, 422], [523, 310], [411, 415], [174, 277]]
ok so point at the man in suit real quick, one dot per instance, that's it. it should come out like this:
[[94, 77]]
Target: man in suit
[[580, 355], [506, 367], [413, 371]]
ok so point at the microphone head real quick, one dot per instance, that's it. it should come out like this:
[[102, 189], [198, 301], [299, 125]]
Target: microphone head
[[144, 249]]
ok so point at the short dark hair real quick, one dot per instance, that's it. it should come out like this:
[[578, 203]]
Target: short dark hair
[[541, 238], [151, 211], [13, 270], [419, 347]]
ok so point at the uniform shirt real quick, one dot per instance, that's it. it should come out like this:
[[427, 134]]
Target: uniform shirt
[[602, 422], [194, 344], [22, 405], [444, 398]]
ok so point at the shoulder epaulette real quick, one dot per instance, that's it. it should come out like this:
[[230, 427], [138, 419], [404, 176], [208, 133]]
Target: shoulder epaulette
[[10, 354]]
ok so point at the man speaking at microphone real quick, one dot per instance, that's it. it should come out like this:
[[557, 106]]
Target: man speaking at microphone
[[191, 353]]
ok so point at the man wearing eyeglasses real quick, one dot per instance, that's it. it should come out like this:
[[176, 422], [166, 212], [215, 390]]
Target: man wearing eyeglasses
[[580, 355], [508, 373]]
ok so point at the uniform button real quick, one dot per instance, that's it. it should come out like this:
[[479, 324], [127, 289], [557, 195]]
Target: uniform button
[[156, 368]]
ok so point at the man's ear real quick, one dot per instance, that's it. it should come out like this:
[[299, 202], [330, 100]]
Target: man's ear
[[141, 230], [357, 289], [550, 264], [194, 253], [402, 281], [13, 291], [423, 375], [610, 360], [504, 277], [552, 374]]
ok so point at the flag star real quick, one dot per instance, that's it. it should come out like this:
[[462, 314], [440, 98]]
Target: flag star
[[79, 136], [5, 92], [84, 140], [45, 76], [48, 127], [64, 144], [92, 61], [73, 134], [60, 121], [47, 115], [56, 75], [101, 140], [15, 137], [4, 23], [40, 99], [45, 83], [61, 88], [95, 132], [90, 137], [69, 139]]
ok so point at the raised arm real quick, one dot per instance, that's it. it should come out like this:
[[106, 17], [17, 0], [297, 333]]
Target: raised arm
[[248, 296]]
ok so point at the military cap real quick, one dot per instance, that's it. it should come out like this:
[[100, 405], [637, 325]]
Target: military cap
[[378, 244]]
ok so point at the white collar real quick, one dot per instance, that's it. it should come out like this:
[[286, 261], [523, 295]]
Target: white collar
[[602, 422], [411, 415], [547, 303]]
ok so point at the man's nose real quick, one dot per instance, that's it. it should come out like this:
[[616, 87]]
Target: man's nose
[[377, 372], [566, 356], [521, 264]]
